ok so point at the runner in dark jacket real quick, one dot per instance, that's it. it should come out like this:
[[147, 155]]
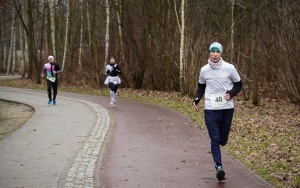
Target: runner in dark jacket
[[112, 80], [51, 69]]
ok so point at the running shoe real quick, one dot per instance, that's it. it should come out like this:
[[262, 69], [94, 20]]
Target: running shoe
[[49, 102], [54, 102], [112, 103], [220, 173]]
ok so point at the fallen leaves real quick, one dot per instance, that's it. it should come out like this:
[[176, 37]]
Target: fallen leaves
[[266, 137]]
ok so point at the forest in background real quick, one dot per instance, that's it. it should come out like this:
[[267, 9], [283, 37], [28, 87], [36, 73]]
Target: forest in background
[[159, 44]]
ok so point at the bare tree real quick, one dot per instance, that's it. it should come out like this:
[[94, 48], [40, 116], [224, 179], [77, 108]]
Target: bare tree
[[94, 42], [232, 31], [13, 46], [52, 25], [253, 38], [25, 51], [182, 47], [285, 47], [12, 39], [22, 60], [107, 31], [149, 39], [3, 44], [29, 27], [81, 37], [66, 33], [122, 56], [88, 23]]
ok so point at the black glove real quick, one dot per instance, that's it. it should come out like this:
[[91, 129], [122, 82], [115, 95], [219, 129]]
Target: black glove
[[196, 101]]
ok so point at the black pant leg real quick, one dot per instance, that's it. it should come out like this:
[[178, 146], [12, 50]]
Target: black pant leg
[[54, 86], [49, 85]]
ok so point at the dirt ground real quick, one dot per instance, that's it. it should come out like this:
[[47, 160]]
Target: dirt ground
[[12, 116]]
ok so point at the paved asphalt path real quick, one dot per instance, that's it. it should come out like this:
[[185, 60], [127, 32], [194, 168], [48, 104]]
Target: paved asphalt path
[[83, 142]]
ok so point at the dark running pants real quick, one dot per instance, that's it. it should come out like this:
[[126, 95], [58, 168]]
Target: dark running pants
[[218, 123], [113, 87], [54, 86]]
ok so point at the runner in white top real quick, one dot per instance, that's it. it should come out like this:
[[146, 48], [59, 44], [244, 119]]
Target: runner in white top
[[219, 82]]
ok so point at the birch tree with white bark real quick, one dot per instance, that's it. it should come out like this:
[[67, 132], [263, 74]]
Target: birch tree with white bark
[[81, 36], [119, 5], [25, 51], [232, 31], [107, 31], [182, 46], [52, 25], [66, 33]]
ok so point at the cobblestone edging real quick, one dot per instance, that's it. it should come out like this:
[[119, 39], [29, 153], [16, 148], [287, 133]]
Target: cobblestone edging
[[81, 173]]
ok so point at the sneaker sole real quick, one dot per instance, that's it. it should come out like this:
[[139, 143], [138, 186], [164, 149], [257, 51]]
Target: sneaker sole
[[221, 175]]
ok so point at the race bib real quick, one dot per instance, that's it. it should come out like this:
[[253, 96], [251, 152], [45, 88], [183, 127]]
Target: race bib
[[52, 79], [217, 100]]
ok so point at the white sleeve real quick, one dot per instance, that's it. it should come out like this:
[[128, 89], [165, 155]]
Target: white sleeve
[[201, 77], [235, 77], [106, 68]]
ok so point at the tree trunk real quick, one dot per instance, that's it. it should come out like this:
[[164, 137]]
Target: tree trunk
[[13, 67], [9, 60], [253, 40], [88, 23], [182, 47], [66, 34], [232, 31], [25, 52], [81, 37], [31, 44], [94, 40], [255, 99], [3, 43], [52, 25], [107, 32], [122, 57], [21, 38]]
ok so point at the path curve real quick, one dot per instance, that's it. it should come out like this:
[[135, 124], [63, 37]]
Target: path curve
[[149, 146], [59, 146]]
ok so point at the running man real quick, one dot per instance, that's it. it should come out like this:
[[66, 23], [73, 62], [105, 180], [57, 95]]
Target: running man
[[51, 69], [219, 82]]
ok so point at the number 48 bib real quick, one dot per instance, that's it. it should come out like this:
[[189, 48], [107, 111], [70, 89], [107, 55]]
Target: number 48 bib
[[217, 100]]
